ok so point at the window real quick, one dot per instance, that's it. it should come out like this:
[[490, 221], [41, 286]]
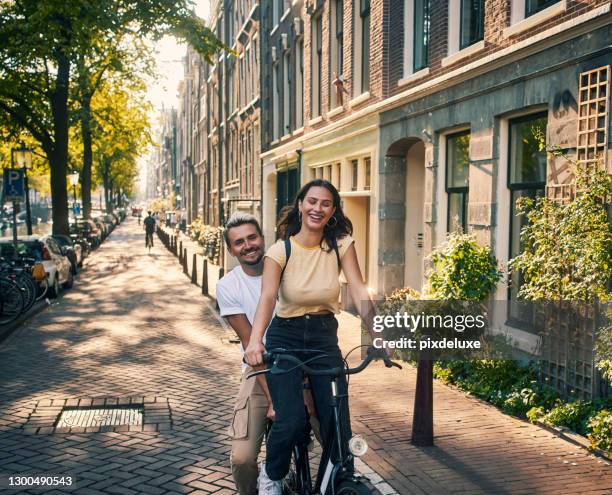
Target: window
[[457, 179], [339, 36], [472, 22], [364, 13], [275, 104], [368, 172], [526, 176], [276, 6], [534, 6], [354, 174], [337, 49], [287, 186], [317, 60], [286, 94], [422, 22], [299, 85]]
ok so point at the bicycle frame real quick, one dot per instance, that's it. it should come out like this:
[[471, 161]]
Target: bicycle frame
[[329, 477]]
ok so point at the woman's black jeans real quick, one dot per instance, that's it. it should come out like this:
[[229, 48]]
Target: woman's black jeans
[[317, 332]]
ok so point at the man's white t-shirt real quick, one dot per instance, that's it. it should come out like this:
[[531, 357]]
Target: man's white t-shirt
[[238, 293]]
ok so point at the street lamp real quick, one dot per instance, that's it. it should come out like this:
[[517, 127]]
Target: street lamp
[[23, 156], [74, 180]]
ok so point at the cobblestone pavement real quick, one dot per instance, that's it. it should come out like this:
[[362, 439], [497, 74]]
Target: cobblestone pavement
[[134, 327]]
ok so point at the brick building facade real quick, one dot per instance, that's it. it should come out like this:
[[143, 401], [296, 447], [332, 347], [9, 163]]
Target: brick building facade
[[410, 107]]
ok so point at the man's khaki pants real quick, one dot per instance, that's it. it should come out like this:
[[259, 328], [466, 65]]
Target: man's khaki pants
[[247, 431]]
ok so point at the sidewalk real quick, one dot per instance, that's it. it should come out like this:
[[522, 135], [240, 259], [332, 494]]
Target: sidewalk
[[134, 328]]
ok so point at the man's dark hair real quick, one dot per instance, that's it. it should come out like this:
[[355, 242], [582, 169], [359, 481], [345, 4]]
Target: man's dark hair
[[238, 219], [149, 213]]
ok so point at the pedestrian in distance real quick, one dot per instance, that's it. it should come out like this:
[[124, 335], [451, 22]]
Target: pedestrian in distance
[[302, 270], [149, 228], [237, 295]]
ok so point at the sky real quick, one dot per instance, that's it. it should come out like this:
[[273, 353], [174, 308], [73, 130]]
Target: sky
[[162, 92], [170, 66]]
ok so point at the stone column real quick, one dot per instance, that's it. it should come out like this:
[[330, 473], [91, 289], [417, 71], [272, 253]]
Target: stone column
[[392, 220]]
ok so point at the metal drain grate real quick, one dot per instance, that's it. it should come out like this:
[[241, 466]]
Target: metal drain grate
[[103, 416]]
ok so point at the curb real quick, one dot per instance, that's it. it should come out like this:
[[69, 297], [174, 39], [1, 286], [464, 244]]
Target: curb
[[575, 438], [559, 431], [36, 309]]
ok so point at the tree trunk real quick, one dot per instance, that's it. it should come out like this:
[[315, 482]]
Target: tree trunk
[[87, 156], [59, 158]]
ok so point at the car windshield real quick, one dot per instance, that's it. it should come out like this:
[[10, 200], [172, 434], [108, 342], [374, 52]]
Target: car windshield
[[62, 240], [27, 249]]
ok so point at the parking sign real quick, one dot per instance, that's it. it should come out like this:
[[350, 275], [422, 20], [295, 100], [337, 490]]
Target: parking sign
[[13, 188]]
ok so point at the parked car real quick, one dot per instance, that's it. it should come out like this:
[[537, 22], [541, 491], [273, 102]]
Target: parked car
[[46, 250], [73, 251], [102, 226], [88, 230]]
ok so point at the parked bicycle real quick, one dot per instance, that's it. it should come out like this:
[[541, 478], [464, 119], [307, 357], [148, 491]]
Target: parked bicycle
[[23, 282], [338, 477]]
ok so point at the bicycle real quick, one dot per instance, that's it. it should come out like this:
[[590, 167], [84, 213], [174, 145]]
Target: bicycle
[[149, 240], [11, 301], [338, 477]]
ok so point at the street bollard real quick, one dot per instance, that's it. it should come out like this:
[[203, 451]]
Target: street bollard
[[180, 253], [194, 270], [205, 277], [185, 268], [422, 420]]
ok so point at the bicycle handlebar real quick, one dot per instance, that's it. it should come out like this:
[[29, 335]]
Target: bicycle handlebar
[[274, 356]]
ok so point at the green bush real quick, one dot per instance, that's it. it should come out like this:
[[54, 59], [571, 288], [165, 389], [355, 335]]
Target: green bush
[[462, 270], [600, 430]]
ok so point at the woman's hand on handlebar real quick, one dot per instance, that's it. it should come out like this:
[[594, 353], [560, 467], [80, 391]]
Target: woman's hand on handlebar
[[253, 354]]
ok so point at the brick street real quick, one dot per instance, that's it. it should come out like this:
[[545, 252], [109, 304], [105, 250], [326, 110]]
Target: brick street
[[133, 327]]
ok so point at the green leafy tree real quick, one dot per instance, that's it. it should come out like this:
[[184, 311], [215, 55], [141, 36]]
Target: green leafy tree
[[567, 252], [122, 135], [40, 43]]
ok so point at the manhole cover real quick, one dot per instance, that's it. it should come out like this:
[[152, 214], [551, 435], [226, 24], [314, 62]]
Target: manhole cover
[[104, 416]]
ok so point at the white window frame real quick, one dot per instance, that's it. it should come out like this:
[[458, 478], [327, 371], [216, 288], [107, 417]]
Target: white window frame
[[299, 84], [286, 95], [519, 23]]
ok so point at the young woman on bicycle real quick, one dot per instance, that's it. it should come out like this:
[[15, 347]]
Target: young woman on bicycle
[[308, 290]]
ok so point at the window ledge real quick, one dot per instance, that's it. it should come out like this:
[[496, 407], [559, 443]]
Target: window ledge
[[315, 121], [413, 77], [275, 142], [461, 54], [285, 137], [336, 111], [535, 19], [359, 99], [274, 29], [299, 130]]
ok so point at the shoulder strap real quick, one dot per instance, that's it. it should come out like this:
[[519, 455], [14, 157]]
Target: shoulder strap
[[335, 246], [287, 255]]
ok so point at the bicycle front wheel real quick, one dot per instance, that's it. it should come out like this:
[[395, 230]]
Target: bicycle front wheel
[[353, 487], [11, 302]]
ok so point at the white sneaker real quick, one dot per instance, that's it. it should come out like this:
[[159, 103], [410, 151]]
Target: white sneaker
[[266, 485]]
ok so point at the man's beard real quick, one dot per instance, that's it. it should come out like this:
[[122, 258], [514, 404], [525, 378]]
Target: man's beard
[[253, 263]]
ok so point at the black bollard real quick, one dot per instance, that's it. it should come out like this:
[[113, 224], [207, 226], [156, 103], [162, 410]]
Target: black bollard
[[194, 271], [180, 253], [422, 420], [185, 266], [205, 277]]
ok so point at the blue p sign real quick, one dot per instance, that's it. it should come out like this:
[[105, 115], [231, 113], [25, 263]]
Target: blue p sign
[[13, 189]]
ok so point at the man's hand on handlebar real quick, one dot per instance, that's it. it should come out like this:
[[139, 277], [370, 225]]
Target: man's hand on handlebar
[[253, 354]]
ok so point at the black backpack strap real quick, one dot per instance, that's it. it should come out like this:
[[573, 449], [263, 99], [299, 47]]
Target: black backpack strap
[[287, 255], [335, 246]]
